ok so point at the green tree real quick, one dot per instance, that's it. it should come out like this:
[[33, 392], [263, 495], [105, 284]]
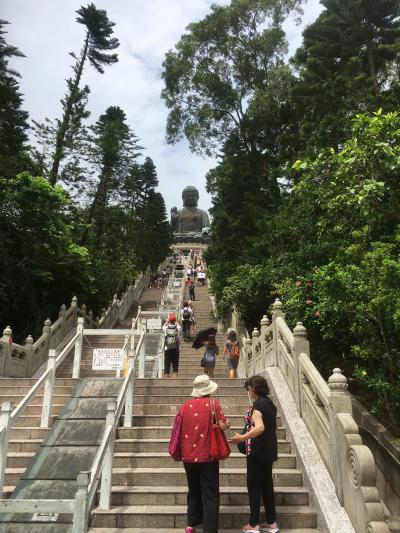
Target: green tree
[[344, 65], [41, 264], [13, 119], [113, 150], [96, 49], [216, 67]]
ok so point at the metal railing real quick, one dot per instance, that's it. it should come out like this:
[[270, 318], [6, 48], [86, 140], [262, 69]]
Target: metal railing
[[101, 471]]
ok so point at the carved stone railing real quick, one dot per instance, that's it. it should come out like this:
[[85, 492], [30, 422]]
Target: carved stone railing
[[22, 361], [325, 409]]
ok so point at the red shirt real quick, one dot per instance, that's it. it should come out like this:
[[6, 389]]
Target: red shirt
[[196, 428]]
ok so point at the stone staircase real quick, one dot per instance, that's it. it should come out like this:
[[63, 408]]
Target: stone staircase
[[149, 488], [27, 435]]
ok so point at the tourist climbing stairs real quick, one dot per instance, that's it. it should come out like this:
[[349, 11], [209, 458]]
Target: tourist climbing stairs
[[149, 488]]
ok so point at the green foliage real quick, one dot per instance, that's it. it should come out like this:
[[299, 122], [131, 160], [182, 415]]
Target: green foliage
[[41, 264], [344, 65], [13, 120], [97, 49], [217, 65]]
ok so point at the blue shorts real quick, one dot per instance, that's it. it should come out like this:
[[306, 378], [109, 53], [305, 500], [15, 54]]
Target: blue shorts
[[232, 364]]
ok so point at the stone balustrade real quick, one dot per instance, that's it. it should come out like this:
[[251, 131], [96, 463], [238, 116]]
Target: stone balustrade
[[325, 408], [22, 361]]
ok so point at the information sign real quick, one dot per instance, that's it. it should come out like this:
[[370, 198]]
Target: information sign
[[107, 359]]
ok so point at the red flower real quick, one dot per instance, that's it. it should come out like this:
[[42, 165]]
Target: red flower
[[317, 314], [308, 302]]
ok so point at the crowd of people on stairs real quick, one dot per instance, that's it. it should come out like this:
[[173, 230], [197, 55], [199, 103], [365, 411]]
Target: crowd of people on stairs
[[198, 434]]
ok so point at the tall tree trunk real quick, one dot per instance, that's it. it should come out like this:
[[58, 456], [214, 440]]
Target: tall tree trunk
[[371, 65], [63, 128]]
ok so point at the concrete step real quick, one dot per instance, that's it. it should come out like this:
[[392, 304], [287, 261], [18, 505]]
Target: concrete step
[[179, 530], [17, 390], [19, 459], [176, 476], [164, 432], [24, 445], [58, 399], [29, 382], [155, 399], [176, 495], [31, 421], [172, 408], [27, 433], [185, 391], [187, 382], [163, 460], [36, 410], [160, 445], [147, 516], [168, 420]]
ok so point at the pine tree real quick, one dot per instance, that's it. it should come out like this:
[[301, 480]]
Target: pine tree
[[344, 63], [96, 49], [113, 149], [13, 119]]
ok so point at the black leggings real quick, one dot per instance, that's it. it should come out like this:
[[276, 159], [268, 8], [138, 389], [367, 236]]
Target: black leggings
[[171, 357], [260, 484]]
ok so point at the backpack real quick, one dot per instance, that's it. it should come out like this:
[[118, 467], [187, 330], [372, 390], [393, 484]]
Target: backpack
[[234, 351], [171, 337], [186, 313]]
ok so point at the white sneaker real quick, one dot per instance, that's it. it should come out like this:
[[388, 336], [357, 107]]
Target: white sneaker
[[250, 529]]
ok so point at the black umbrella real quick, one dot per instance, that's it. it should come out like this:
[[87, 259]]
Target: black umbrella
[[201, 337]]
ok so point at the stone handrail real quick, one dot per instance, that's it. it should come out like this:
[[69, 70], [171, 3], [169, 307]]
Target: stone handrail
[[325, 409], [23, 361]]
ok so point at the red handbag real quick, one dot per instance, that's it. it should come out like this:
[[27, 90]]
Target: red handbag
[[175, 443], [219, 447]]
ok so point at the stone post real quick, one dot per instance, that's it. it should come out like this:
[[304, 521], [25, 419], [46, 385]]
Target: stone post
[[6, 351], [48, 390], [62, 314], [255, 335], [46, 327], [301, 345], [264, 324], [339, 402], [5, 426], [83, 313], [28, 358], [277, 312], [106, 474], [90, 318], [80, 518], [78, 349], [247, 352], [129, 390]]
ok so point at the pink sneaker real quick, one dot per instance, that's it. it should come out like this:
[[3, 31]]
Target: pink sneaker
[[190, 530], [269, 528], [250, 529]]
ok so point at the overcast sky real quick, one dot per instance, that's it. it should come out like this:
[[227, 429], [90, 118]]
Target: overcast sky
[[45, 31]]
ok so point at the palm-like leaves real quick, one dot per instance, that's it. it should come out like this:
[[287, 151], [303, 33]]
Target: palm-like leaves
[[99, 31], [97, 49]]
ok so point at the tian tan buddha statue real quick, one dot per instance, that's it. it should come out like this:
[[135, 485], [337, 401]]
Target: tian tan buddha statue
[[190, 224]]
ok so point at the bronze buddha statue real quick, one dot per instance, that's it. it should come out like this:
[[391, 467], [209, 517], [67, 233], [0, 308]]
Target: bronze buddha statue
[[190, 223]]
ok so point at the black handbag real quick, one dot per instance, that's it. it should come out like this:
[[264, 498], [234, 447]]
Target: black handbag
[[241, 446], [203, 361]]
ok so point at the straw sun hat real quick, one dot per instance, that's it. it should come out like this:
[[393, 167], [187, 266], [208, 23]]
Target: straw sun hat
[[202, 385]]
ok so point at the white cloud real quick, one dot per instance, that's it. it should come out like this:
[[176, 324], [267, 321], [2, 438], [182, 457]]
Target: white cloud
[[45, 30]]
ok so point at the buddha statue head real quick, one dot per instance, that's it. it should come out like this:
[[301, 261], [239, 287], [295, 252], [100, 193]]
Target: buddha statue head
[[190, 196]]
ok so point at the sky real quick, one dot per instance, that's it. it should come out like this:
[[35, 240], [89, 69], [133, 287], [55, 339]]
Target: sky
[[46, 31]]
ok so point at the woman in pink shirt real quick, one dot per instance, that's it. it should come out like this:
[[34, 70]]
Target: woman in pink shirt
[[202, 472]]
